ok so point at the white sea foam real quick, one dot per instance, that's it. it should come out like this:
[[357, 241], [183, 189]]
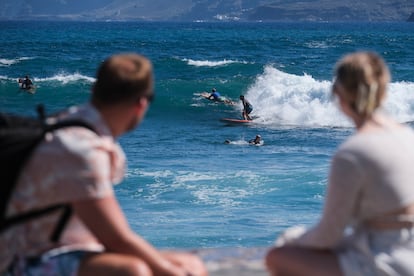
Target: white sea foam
[[317, 44], [63, 78], [300, 100], [8, 62], [208, 63], [239, 142], [207, 187], [224, 191], [66, 78]]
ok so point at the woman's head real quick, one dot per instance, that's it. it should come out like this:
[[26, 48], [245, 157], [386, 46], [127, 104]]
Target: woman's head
[[361, 80]]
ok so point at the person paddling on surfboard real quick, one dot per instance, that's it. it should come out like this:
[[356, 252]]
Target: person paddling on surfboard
[[247, 108], [26, 83], [215, 96]]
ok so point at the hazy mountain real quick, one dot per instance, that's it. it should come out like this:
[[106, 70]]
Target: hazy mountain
[[208, 10]]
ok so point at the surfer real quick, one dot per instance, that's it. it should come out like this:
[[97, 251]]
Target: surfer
[[257, 140], [247, 108], [26, 83], [216, 96]]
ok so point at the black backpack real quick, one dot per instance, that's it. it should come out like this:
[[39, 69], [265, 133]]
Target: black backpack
[[19, 136]]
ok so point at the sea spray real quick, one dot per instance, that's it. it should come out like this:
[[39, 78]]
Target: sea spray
[[280, 98]]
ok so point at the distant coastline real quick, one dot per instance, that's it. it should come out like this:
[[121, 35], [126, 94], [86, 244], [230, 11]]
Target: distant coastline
[[211, 11]]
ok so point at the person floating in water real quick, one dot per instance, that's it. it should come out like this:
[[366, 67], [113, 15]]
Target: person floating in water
[[26, 83], [247, 108], [257, 140]]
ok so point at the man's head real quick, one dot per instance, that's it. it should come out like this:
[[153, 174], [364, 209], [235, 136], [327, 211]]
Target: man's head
[[123, 78], [122, 91]]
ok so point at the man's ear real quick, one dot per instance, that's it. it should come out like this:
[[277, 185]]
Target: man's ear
[[141, 106]]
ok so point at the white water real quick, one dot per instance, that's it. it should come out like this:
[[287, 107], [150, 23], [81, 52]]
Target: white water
[[286, 99]]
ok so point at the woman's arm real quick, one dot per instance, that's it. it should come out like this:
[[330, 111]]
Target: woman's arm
[[340, 203]]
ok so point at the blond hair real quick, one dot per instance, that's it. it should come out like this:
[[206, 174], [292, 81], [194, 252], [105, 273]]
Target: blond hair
[[364, 77]]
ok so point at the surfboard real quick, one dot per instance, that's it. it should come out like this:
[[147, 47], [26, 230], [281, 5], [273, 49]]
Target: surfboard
[[205, 95], [235, 121]]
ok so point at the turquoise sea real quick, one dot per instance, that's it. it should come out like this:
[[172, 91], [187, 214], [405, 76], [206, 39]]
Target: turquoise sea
[[186, 188]]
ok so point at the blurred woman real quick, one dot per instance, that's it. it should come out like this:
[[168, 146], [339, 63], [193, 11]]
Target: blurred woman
[[367, 224]]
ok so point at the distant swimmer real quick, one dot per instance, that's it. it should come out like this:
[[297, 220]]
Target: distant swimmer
[[26, 83], [257, 140], [247, 108]]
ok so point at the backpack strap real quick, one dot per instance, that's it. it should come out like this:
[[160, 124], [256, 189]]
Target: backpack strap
[[64, 218], [29, 215], [55, 236]]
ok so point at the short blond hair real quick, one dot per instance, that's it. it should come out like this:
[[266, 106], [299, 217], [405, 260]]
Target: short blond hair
[[364, 77], [123, 78]]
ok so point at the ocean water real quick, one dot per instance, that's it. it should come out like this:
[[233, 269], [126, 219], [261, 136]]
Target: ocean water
[[184, 187]]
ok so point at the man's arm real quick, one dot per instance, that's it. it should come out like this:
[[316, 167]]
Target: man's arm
[[106, 221]]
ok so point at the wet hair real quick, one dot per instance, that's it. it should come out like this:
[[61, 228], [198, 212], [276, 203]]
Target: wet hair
[[364, 77], [123, 78]]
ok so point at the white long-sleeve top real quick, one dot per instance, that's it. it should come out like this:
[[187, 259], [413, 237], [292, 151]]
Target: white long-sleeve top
[[372, 174]]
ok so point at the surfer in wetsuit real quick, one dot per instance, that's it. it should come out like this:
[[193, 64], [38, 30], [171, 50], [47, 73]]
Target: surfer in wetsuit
[[247, 108], [26, 83]]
